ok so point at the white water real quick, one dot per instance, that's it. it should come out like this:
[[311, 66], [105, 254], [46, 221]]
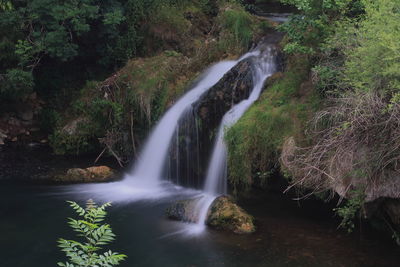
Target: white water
[[216, 181], [145, 181], [150, 163], [149, 166]]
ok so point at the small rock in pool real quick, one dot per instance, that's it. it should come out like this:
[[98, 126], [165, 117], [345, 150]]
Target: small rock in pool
[[223, 214], [88, 175]]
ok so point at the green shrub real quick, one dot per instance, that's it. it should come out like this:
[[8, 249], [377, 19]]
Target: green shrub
[[236, 21], [373, 62], [76, 144], [49, 118], [254, 142], [15, 84], [94, 235], [351, 209]]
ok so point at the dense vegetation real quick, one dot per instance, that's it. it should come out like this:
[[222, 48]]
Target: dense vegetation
[[150, 50], [122, 108], [350, 145]]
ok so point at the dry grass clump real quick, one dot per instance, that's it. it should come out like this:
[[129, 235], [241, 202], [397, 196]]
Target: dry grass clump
[[355, 145]]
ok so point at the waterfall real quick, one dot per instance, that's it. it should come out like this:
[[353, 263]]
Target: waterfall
[[151, 162], [264, 66]]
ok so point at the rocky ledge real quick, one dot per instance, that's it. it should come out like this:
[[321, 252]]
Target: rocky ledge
[[88, 175], [223, 214]]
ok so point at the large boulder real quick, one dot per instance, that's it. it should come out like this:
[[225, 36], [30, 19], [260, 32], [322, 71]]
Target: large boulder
[[226, 215], [223, 214], [88, 175]]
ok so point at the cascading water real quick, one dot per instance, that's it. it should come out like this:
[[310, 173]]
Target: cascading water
[[175, 132], [264, 66], [183, 163], [144, 181], [149, 167]]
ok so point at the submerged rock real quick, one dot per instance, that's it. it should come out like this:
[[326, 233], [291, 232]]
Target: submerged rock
[[88, 175], [223, 214], [226, 215], [183, 210]]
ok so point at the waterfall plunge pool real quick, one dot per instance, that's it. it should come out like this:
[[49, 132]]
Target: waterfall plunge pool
[[33, 217]]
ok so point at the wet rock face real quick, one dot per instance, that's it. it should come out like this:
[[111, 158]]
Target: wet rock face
[[234, 87], [392, 208], [88, 175], [183, 210], [197, 132], [223, 214]]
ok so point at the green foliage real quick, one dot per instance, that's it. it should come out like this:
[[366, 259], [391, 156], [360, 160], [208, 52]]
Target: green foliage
[[351, 209], [307, 31], [75, 144], [49, 119], [255, 141], [171, 17], [15, 84], [373, 62], [94, 234], [327, 78], [239, 24]]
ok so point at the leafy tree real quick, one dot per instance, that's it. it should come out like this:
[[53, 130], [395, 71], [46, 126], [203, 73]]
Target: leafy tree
[[95, 235], [373, 60], [317, 21]]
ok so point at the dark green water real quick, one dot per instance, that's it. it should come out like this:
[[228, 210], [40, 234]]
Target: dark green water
[[32, 217]]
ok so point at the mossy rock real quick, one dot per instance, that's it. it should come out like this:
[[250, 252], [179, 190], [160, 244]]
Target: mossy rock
[[88, 175], [224, 214]]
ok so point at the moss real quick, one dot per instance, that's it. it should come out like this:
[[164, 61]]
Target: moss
[[254, 142], [236, 21]]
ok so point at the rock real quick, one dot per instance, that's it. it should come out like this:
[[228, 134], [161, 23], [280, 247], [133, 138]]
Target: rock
[[226, 215], [223, 214], [33, 96], [235, 86], [183, 210], [26, 115], [392, 208], [76, 175], [88, 175], [13, 121], [2, 137], [100, 172], [72, 127]]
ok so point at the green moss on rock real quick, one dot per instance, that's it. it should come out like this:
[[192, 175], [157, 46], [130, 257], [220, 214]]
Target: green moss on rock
[[88, 175], [224, 214], [255, 141]]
